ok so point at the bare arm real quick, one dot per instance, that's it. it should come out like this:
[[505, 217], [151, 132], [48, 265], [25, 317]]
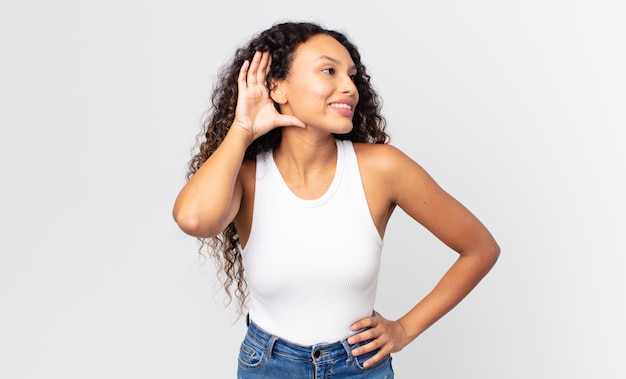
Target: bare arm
[[210, 200], [411, 188], [459, 229]]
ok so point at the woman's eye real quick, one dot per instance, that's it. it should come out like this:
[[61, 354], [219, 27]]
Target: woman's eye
[[353, 77], [329, 70]]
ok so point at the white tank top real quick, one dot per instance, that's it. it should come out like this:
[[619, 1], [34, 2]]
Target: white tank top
[[312, 266]]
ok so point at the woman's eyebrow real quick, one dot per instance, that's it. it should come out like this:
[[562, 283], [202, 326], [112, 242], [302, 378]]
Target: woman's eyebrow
[[334, 60]]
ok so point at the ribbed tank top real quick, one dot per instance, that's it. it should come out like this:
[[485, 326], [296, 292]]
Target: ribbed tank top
[[312, 266]]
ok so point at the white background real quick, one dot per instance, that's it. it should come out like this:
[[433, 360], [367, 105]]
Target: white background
[[517, 108]]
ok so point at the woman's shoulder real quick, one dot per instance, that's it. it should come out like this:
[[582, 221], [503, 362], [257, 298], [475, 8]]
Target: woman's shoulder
[[378, 154], [386, 162], [375, 147]]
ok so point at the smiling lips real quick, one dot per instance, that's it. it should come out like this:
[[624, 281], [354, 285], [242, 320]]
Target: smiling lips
[[341, 105], [342, 108]]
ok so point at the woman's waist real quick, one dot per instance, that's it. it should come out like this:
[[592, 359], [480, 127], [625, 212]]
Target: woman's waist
[[310, 327]]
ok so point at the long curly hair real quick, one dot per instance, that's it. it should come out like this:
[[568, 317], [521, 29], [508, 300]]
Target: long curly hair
[[281, 40]]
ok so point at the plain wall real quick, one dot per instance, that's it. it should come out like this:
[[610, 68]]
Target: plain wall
[[516, 108]]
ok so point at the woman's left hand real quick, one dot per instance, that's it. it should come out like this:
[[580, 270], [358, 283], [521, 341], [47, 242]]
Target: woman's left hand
[[387, 336]]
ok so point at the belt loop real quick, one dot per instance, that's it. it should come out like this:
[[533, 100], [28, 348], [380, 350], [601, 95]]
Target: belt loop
[[270, 346], [346, 346]]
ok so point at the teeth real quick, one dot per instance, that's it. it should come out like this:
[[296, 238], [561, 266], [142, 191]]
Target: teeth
[[340, 105]]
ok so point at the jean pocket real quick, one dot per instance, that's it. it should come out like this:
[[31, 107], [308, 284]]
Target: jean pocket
[[361, 359], [251, 355]]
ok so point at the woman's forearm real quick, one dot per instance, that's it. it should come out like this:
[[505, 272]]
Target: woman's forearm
[[209, 200], [456, 284]]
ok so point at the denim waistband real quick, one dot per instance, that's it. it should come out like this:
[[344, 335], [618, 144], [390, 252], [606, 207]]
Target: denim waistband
[[321, 352]]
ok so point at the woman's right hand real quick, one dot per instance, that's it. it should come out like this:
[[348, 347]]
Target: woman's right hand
[[255, 111]]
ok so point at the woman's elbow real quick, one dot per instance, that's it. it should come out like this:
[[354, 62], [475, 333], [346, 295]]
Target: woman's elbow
[[492, 253], [192, 224]]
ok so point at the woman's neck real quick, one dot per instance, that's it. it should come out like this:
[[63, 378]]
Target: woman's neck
[[307, 163]]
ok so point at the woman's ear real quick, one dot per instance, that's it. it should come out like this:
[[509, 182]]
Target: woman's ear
[[277, 93]]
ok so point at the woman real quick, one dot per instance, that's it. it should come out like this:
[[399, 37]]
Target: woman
[[292, 189]]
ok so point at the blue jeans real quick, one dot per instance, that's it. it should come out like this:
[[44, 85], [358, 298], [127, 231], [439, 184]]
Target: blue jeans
[[264, 356]]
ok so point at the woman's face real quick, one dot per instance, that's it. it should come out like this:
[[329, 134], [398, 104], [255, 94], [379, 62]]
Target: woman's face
[[319, 89]]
